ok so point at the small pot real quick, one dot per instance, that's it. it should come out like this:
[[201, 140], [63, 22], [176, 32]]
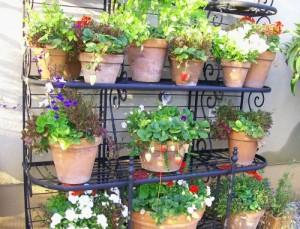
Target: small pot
[[163, 157], [183, 221], [75, 164], [50, 61], [106, 71], [272, 222], [235, 73], [186, 73], [258, 72], [245, 220], [246, 146], [147, 62]]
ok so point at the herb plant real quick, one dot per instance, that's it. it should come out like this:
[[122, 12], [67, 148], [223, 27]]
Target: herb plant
[[172, 198], [50, 27]]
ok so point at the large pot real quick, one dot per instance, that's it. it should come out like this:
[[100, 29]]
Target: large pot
[[75, 164], [235, 73], [163, 157], [106, 71], [147, 62], [49, 61], [258, 72], [271, 222], [245, 220], [246, 146], [145, 221], [187, 72], [73, 68]]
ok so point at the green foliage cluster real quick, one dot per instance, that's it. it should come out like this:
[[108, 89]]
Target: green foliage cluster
[[50, 27]]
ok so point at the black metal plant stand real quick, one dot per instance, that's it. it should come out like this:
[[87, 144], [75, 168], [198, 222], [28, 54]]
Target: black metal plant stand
[[112, 170]]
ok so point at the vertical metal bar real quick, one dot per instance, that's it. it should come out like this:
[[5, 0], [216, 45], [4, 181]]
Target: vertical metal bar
[[130, 190], [100, 153], [190, 100], [104, 144], [242, 101]]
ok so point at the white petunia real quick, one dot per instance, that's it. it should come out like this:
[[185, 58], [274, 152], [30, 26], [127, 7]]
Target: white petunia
[[114, 198], [142, 211], [125, 211], [124, 125], [115, 190], [142, 107], [102, 221], [105, 204], [208, 201], [86, 213], [70, 215], [85, 201], [208, 191], [182, 183], [191, 209], [56, 219]]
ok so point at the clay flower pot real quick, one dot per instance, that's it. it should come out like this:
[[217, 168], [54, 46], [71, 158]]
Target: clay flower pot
[[272, 222], [245, 220], [258, 72], [106, 71], [235, 73], [147, 62], [49, 61], [246, 145], [145, 221], [163, 157], [75, 164], [186, 73]]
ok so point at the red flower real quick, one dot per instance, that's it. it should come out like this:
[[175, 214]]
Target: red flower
[[194, 188], [255, 175], [163, 148], [83, 22], [170, 183], [248, 19], [140, 174], [182, 167], [184, 76], [76, 193], [225, 167]]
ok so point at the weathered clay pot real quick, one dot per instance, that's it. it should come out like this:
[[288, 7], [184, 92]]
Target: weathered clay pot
[[145, 221], [147, 62], [235, 73], [73, 68], [245, 220], [49, 61], [271, 222], [106, 71], [75, 164], [258, 72], [246, 146], [186, 73], [154, 157]]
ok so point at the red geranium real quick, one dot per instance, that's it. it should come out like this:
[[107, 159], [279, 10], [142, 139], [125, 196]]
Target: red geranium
[[255, 174], [83, 22], [76, 193], [194, 188], [248, 19], [182, 167], [170, 183]]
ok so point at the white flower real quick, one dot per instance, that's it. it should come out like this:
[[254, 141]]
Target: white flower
[[208, 192], [142, 211], [124, 125], [115, 190], [208, 201], [191, 209], [85, 201], [182, 183], [70, 215], [49, 87], [125, 211], [142, 107], [102, 220], [105, 203], [86, 213], [55, 219], [114, 198], [70, 226], [44, 103]]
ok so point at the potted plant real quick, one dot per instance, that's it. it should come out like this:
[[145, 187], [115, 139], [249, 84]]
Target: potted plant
[[162, 136], [51, 37], [278, 216], [243, 130], [102, 50], [259, 70], [293, 57], [250, 199], [236, 49], [71, 130], [86, 209], [172, 204]]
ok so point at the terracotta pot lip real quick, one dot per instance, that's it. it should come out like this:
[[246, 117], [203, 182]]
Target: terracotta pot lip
[[241, 136], [153, 43], [84, 143], [262, 211], [190, 60], [267, 56], [104, 55], [235, 64], [106, 58]]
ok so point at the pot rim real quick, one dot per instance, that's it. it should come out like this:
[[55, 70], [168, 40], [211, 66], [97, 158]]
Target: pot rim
[[84, 143], [241, 136], [235, 64], [90, 57], [158, 43], [190, 60]]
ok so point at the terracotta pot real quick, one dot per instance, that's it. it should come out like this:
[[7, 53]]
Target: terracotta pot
[[235, 73], [246, 145], [163, 158], [245, 220], [75, 164], [73, 68], [145, 221], [258, 72], [147, 62], [106, 71], [49, 61], [186, 73], [271, 222]]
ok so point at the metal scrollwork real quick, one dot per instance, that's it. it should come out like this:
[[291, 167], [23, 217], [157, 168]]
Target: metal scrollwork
[[266, 2], [255, 100], [263, 20], [210, 70], [120, 96], [216, 19]]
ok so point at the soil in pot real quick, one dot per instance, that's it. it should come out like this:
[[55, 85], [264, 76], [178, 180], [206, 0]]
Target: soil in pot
[[75, 164], [271, 222], [49, 61], [147, 62], [163, 157], [246, 146], [258, 72], [186, 73], [245, 220], [145, 221], [235, 73], [106, 71]]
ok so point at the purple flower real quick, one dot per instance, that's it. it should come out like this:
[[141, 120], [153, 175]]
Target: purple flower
[[58, 81], [53, 102], [68, 103], [75, 103], [55, 108], [40, 57], [183, 118], [60, 97]]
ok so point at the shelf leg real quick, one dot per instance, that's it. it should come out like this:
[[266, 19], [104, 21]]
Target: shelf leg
[[130, 190]]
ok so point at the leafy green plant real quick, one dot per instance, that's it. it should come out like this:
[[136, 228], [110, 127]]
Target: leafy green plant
[[164, 124], [293, 57], [172, 198], [255, 124], [251, 194], [50, 27]]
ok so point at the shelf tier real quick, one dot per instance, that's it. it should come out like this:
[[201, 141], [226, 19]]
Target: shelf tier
[[241, 8], [115, 173]]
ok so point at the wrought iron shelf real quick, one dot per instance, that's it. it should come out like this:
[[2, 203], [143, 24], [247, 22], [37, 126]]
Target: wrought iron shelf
[[242, 8], [115, 173]]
